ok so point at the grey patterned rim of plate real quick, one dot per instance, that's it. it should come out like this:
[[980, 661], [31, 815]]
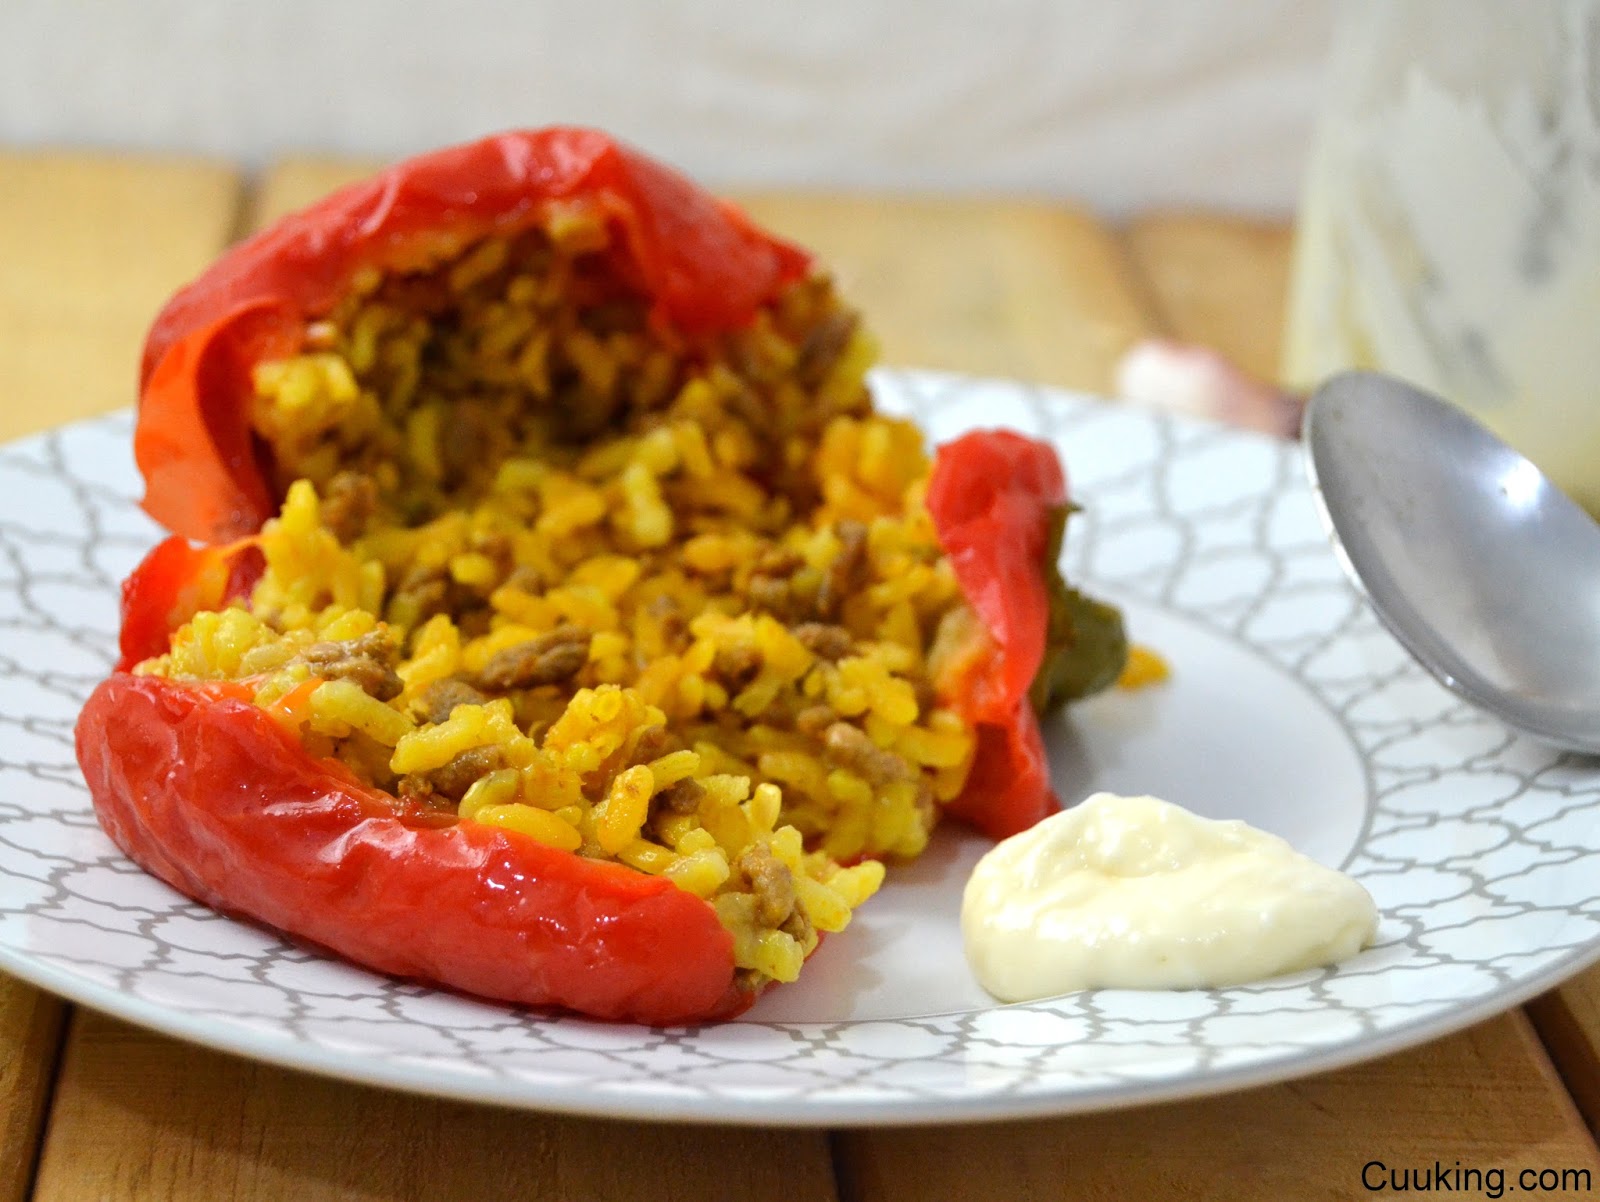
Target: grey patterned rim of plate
[[1478, 844]]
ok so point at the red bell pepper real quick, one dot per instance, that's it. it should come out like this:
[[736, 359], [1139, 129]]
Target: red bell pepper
[[206, 791], [703, 263], [175, 582], [991, 496]]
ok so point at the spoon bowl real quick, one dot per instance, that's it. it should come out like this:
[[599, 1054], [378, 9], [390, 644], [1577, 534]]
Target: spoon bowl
[[1485, 571]]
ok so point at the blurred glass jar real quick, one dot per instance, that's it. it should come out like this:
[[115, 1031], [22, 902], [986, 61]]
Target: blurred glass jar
[[1450, 228]]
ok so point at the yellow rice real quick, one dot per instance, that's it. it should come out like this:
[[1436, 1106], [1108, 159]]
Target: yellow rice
[[683, 522]]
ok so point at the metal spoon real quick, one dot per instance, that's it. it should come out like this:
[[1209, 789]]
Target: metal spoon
[[1483, 569]]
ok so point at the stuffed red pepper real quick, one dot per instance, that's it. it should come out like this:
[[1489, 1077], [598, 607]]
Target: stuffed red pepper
[[549, 614]]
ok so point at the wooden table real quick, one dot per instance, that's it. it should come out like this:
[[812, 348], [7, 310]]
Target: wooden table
[[91, 1108]]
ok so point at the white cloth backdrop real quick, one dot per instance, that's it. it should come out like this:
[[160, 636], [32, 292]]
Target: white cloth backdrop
[[1122, 104]]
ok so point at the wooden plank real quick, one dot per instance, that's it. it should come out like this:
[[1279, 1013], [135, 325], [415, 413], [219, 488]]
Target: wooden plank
[[1218, 281], [1486, 1098], [1006, 288], [143, 1117], [294, 183], [1568, 1020], [30, 1034], [90, 246]]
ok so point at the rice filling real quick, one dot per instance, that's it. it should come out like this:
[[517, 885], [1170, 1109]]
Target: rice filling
[[548, 564]]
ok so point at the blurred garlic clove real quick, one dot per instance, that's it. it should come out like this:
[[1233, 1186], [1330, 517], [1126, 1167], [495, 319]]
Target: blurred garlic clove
[[1202, 383]]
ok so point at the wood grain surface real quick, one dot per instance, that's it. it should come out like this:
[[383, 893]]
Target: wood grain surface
[[141, 1117], [1568, 1020], [30, 1034], [1006, 287], [989, 287], [89, 246], [1217, 281], [1485, 1098]]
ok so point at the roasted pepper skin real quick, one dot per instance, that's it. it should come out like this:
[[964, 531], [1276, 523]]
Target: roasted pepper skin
[[705, 265], [206, 791], [175, 582], [991, 496]]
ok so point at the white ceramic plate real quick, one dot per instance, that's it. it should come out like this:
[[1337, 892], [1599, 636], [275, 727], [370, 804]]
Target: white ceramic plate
[[1289, 707]]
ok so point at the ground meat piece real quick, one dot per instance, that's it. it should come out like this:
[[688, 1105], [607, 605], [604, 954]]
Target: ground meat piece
[[525, 578], [577, 409], [846, 568], [669, 614], [681, 797], [770, 881], [419, 292], [549, 659], [829, 595], [769, 587], [366, 662], [823, 345], [770, 593], [652, 741], [746, 404], [456, 777], [348, 502], [615, 317], [736, 664], [497, 547], [474, 621], [821, 638], [424, 589], [777, 561], [849, 746], [798, 925], [442, 696], [417, 789], [814, 719], [461, 445], [852, 537]]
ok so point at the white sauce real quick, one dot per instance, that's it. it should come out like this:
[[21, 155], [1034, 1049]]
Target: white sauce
[[1137, 893]]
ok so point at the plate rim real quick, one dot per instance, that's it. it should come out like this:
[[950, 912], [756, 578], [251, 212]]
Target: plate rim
[[793, 1110], [760, 1112]]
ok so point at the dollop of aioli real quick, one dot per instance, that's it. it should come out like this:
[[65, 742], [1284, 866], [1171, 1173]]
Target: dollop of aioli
[[1138, 893]]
